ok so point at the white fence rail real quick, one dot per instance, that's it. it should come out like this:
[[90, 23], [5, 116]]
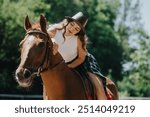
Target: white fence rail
[[39, 97], [135, 98], [22, 97]]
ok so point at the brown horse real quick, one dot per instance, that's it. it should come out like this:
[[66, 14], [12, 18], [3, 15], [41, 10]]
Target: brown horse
[[37, 57]]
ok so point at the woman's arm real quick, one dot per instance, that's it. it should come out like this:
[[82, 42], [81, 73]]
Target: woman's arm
[[52, 30], [81, 55]]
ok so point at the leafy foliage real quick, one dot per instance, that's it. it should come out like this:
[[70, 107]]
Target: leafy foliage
[[135, 43], [136, 83]]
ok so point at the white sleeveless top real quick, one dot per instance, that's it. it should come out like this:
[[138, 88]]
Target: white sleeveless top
[[68, 47]]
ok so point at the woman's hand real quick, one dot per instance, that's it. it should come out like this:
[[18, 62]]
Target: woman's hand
[[55, 48]]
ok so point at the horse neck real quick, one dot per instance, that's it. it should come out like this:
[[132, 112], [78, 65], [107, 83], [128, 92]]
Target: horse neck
[[60, 81], [53, 77], [55, 63]]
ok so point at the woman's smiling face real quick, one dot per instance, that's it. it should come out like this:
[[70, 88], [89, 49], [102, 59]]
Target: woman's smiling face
[[72, 28]]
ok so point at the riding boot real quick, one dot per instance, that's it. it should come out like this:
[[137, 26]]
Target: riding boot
[[100, 92]]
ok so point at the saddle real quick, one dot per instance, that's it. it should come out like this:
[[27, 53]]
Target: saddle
[[89, 88]]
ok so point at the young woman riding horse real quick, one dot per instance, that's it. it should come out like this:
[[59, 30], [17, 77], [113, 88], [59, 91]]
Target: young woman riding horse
[[71, 39], [39, 56]]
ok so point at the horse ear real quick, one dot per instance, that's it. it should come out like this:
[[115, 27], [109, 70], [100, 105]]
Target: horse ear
[[43, 23], [27, 23]]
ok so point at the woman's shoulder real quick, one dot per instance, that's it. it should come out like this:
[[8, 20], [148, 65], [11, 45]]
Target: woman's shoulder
[[52, 27]]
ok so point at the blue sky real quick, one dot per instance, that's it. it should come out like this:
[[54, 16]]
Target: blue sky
[[145, 12]]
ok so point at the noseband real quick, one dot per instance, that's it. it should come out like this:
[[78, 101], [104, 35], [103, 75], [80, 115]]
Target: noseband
[[46, 57]]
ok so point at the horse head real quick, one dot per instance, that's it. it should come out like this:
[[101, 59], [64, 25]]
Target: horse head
[[35, 51]]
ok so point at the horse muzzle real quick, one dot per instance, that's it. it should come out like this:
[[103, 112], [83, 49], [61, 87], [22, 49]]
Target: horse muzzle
[[23, 77]]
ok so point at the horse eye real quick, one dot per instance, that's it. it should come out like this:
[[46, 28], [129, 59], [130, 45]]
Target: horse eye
[[41, 44]]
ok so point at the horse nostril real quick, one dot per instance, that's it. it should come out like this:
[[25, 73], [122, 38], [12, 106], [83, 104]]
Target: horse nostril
[[18, 75], [26, 73]]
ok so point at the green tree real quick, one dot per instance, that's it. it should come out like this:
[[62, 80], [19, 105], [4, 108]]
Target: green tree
[[61, 8], [136, 83], [135, 43]]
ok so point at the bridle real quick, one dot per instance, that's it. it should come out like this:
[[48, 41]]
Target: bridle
[[47, 55]]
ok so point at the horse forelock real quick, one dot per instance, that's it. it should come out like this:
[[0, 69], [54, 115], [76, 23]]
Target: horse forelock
[[36, 26]]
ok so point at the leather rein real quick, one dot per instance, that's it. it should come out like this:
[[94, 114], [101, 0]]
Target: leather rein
[[47, 55]]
